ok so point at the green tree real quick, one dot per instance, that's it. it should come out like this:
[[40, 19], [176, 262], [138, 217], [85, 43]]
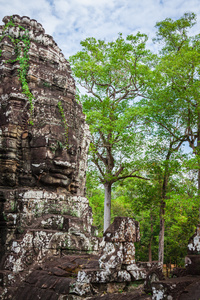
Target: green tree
[[181, 207], [163, 158], [164, 166], [113, 74], [181, 217], [176, 96], [95, 194], [141, 197], [172, 104]]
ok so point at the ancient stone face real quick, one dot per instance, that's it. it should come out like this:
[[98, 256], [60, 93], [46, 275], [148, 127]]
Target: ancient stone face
[[44, 141], [51, 151], [44, 216]]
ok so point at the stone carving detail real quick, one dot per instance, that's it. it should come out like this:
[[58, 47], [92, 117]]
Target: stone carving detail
[[117, 260], [38, 155], [48, 247], [43, 208], [92, 276], [119, 243]]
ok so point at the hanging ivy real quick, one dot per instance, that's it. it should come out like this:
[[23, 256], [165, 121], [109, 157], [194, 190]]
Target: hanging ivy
[[22, 57], [61, 110]]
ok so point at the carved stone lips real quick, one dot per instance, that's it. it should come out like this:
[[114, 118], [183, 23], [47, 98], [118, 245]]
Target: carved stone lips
[[66, 172], [64, 164], [59, 175]]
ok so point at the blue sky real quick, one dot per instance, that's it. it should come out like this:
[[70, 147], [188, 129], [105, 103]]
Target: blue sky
[[70, 21]]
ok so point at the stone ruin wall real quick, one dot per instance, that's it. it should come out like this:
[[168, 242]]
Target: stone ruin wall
[[45, 218], [28, 147], [43, 208]]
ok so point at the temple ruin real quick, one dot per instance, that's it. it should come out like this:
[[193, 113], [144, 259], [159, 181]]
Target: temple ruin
[[43, 154], [49, 248]]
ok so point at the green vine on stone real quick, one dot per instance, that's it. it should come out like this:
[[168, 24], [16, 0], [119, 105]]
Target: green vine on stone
[[9, 24], [23, 59], [61, 110]]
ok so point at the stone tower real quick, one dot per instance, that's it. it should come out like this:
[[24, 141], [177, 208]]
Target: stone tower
[[48, 247], [44, 141]]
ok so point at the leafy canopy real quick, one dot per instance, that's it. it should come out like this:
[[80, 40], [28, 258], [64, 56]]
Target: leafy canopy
[[113, 74]]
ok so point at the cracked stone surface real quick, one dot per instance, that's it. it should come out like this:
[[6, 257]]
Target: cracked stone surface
[[91, 276], [43, 208], [48, 246]]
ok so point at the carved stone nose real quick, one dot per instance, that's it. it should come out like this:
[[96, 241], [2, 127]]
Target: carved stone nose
[[43, 209]]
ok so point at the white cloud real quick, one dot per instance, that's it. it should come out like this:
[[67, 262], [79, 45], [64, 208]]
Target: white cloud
[[71, 21]]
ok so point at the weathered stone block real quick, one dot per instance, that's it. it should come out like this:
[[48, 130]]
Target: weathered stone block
[[136, 272], [193, 264], [44, 141], [123, 230], [171, 289], [194, 242], [128, 253], [112, 256]]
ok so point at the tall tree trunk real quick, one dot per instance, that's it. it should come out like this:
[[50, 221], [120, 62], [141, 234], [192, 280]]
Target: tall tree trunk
[[199, 186], [151, 239], [107, 205], [198, 156], [150, 252], [162, 208], [161, 233]]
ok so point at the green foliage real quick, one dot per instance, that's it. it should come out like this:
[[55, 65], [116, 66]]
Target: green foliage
[[62, 113], [143, 136], [121, 207], [22, 45], [175, 33], [95, 195], [142, 200], [113, 74], [24, 65], [181, 214], [171, 108], [9, 24], [173, 102]]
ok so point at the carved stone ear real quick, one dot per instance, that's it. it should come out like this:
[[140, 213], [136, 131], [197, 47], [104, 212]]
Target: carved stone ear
[[26, 135], [44, 214]]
